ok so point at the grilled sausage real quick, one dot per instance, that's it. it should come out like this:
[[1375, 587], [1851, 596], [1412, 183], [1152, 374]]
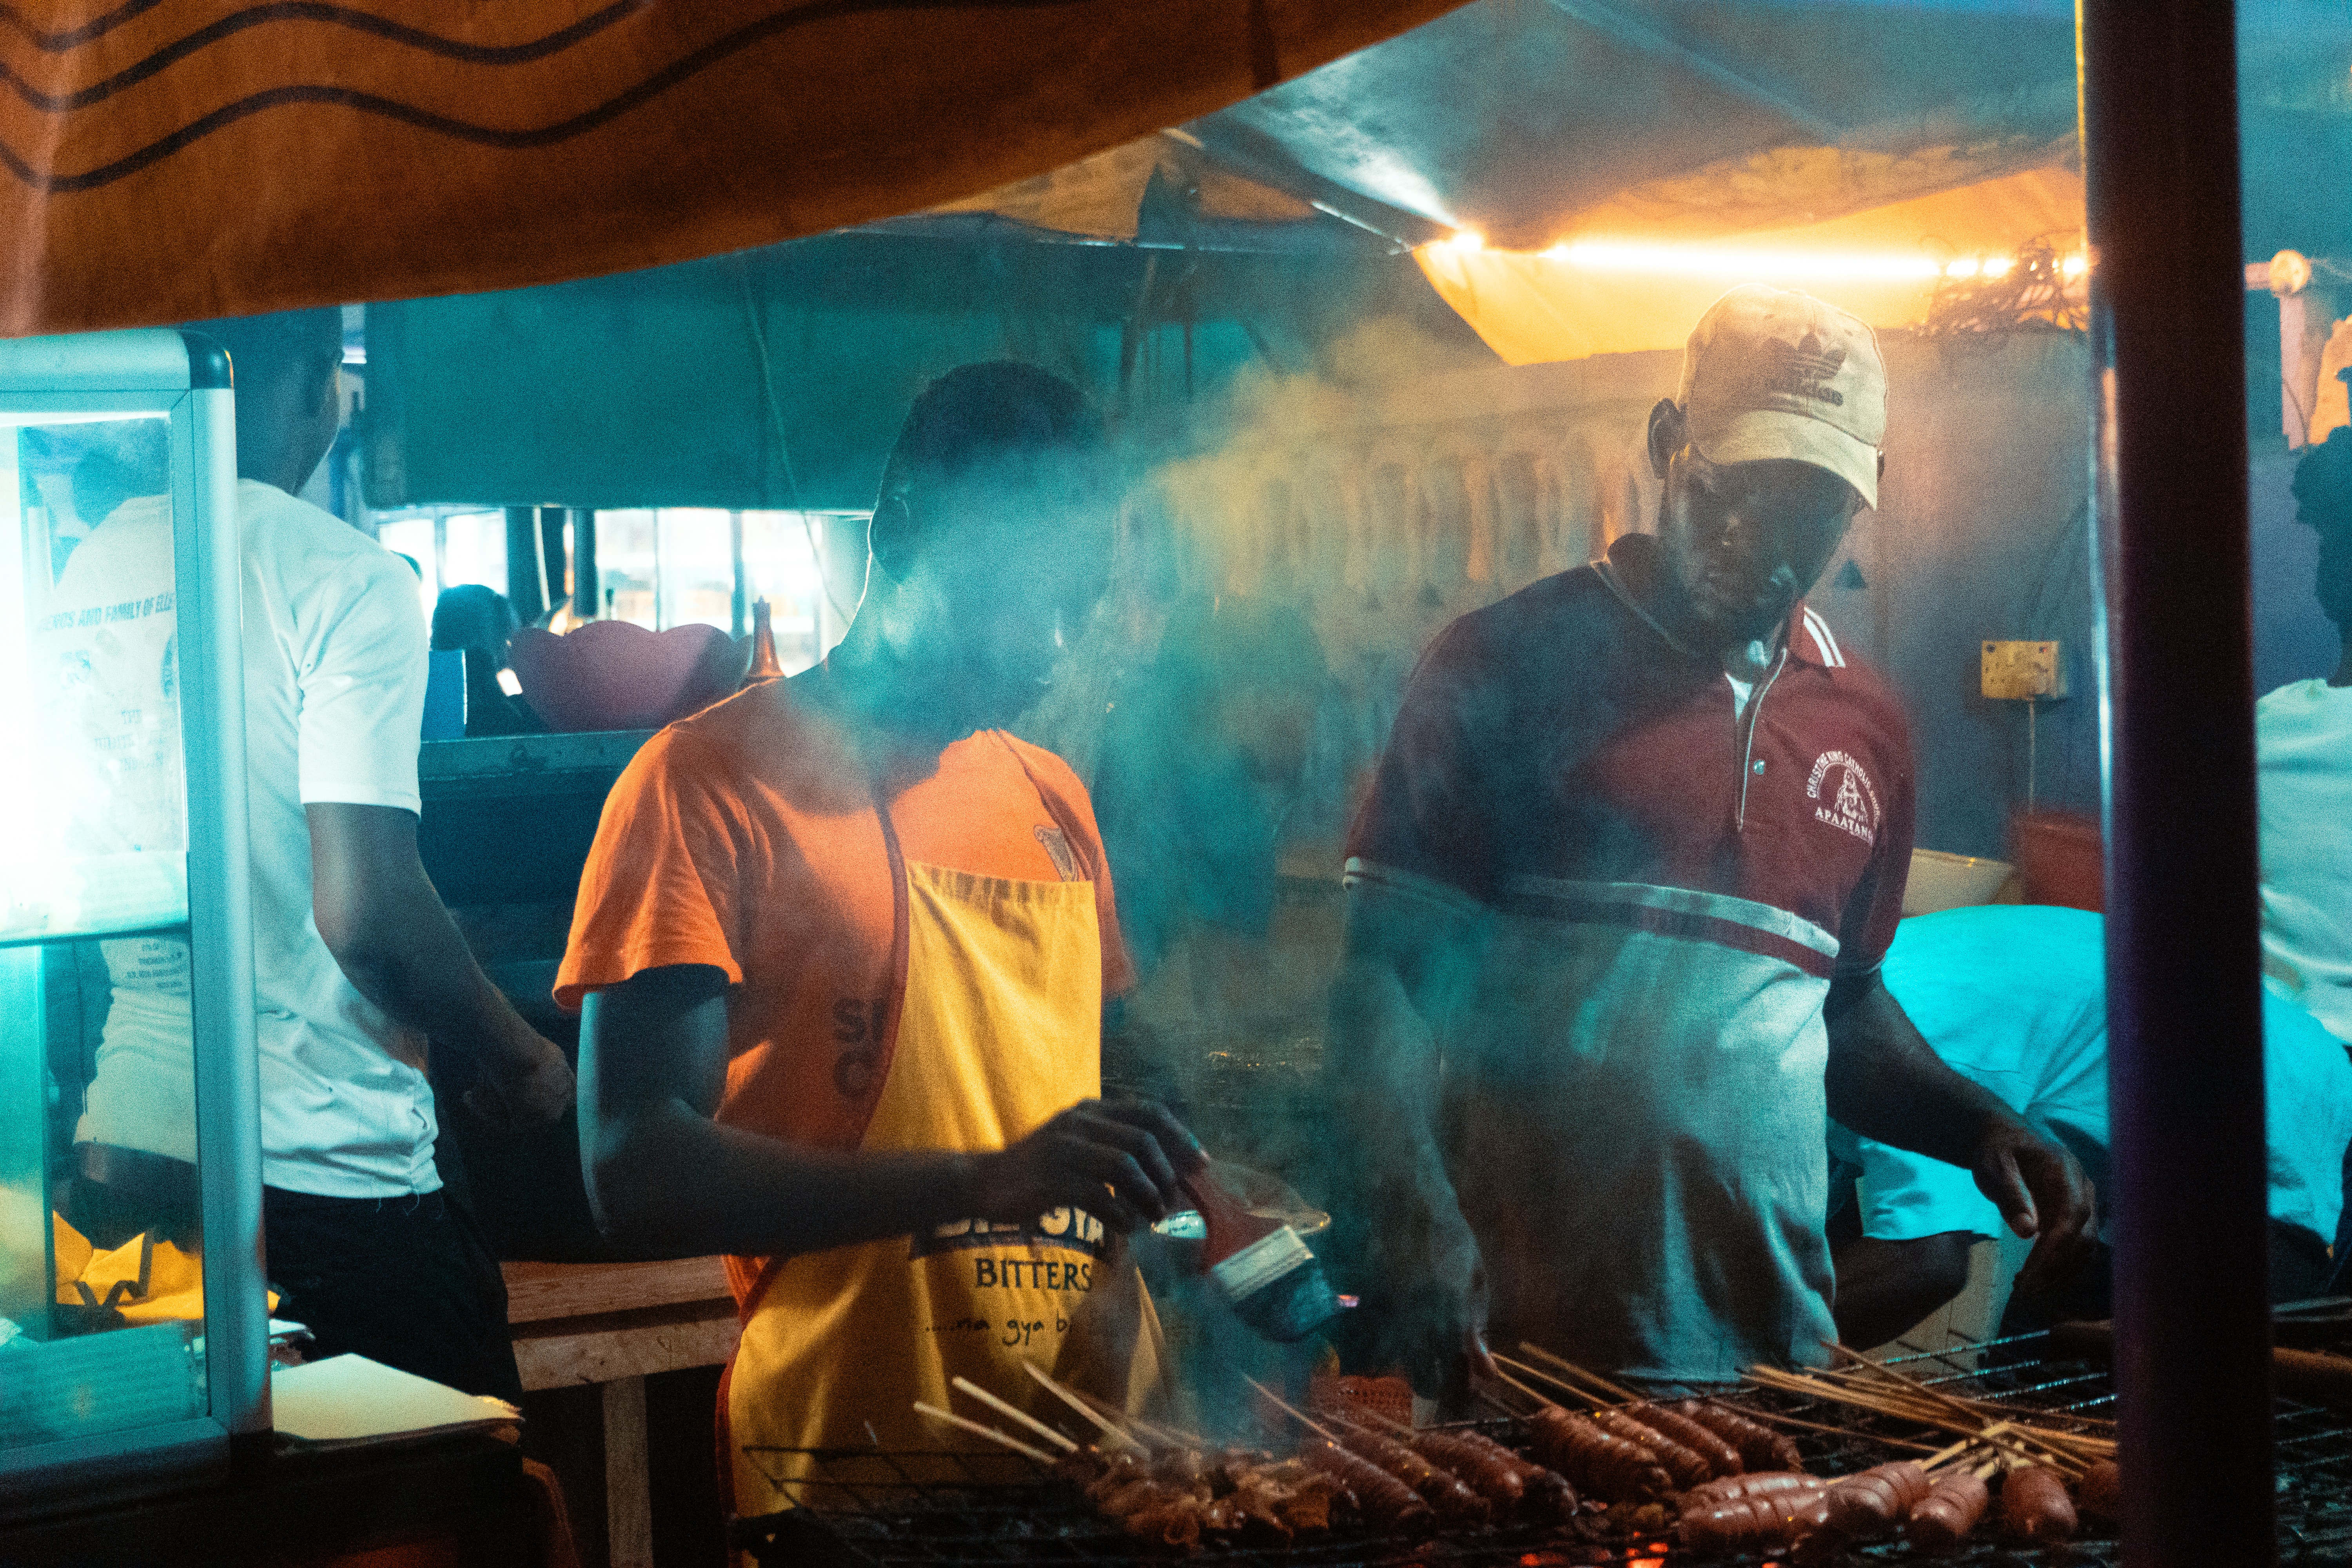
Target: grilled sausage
[[1439, 1487], [1760, 1448], [1686, 1468], [1767, 1521], [2034, 1507], [1598, 1463], [1754, 1483], [2099, 1496], [1512, 1483], [1383, 1498], [1493, 1470], [1869, 1506], [1549, 1495], [1722, 1458], [1949, 1512]]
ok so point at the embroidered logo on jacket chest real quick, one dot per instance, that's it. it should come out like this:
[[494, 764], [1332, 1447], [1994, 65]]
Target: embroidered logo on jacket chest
[[1850, 804]]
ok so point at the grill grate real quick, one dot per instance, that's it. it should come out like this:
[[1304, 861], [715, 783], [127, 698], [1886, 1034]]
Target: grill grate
[[867, 1509]]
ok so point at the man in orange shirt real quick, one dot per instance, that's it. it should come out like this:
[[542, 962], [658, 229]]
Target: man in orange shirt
[[841, 948]]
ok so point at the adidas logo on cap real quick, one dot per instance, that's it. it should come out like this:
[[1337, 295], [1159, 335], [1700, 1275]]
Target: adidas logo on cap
[[1774, 374]]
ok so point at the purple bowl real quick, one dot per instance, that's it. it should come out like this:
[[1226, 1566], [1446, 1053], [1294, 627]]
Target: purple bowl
[[615, 675]]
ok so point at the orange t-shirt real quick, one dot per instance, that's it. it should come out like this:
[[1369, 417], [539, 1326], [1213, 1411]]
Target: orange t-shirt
[[746, 838]]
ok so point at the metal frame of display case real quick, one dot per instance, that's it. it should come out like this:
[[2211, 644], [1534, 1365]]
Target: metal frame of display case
[[186, 376]]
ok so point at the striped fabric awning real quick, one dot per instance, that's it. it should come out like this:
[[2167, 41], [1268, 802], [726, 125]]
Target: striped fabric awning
[[166, 160]]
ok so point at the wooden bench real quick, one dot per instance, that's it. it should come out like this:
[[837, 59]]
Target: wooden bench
[[611, 1325]]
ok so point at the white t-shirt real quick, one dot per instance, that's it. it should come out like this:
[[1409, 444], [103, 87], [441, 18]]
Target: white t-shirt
[[335, 664], [2303, 746], [2013, 998]]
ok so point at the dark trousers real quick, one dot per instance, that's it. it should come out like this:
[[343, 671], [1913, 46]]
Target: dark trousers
[[407, 1282]]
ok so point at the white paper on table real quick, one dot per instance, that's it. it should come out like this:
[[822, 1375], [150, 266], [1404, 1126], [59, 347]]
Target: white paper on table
[[351, 1399]]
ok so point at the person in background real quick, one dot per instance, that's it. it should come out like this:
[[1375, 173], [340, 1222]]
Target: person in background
[[1204, 772], [1618, 899], [476, 620], [2302, 744], [2014, 997], [841, 953], [356, 962], [1203, 757], [2302, 753]]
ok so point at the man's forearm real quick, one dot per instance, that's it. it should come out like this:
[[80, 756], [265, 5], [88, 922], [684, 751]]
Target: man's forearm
[[1885, 1287], [1885, 1082], [1387, 1083], [412, 962], [1383, 1099], [671, 1181]]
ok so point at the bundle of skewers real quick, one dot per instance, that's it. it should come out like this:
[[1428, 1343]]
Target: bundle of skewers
[[1603, 1461], [2054, 1476], [1177, 1488], [1733, 1486]]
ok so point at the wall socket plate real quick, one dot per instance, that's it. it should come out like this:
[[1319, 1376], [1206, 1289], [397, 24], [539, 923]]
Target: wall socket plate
[[2021, 672]]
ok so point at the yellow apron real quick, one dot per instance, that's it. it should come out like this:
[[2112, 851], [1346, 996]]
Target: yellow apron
[[999, 1030]]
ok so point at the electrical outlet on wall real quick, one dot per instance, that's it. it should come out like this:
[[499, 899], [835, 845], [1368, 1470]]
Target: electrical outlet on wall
[[2022, 671]]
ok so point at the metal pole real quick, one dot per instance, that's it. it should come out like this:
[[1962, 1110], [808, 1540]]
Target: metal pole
[[2192, 1319], [556, 575], [585, 602], [739, 602], [526, 573]]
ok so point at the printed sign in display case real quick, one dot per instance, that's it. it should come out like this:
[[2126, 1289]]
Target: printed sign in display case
[[133, 1323]]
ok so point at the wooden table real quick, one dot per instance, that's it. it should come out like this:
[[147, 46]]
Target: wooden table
[[459, 1501], [611, 1325]]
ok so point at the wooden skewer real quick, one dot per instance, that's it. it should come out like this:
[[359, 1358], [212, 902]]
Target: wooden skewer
[[1109, 1429], [1943, 1454], [1543, 1399], [1991, 1440], [1917, 1388], [1166, 1436], [1882, 1403], [1583, 1396], [1780, 1420], [966, 1385], [1896, 1399], [2010, 1445], [1578, 1389], [1892, 1400], [991, 1433], [1616, 1390], [2060, 1459], [1293, 1412]]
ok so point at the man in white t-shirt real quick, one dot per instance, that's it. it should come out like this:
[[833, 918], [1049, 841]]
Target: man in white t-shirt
[[356, 961], [2303, 740], [2013, 998], [2303, 751]]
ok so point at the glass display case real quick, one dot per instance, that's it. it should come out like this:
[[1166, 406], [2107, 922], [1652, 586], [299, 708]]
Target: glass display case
[[133, 1317]]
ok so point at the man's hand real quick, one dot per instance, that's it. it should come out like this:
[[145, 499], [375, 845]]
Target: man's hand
[[1118, 1159], [1884, 1082], [2040, 1191], [524, 1094], [378, 914]]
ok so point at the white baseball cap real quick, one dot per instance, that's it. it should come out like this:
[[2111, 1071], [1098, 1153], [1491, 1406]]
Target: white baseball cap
[[1770, 372]]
